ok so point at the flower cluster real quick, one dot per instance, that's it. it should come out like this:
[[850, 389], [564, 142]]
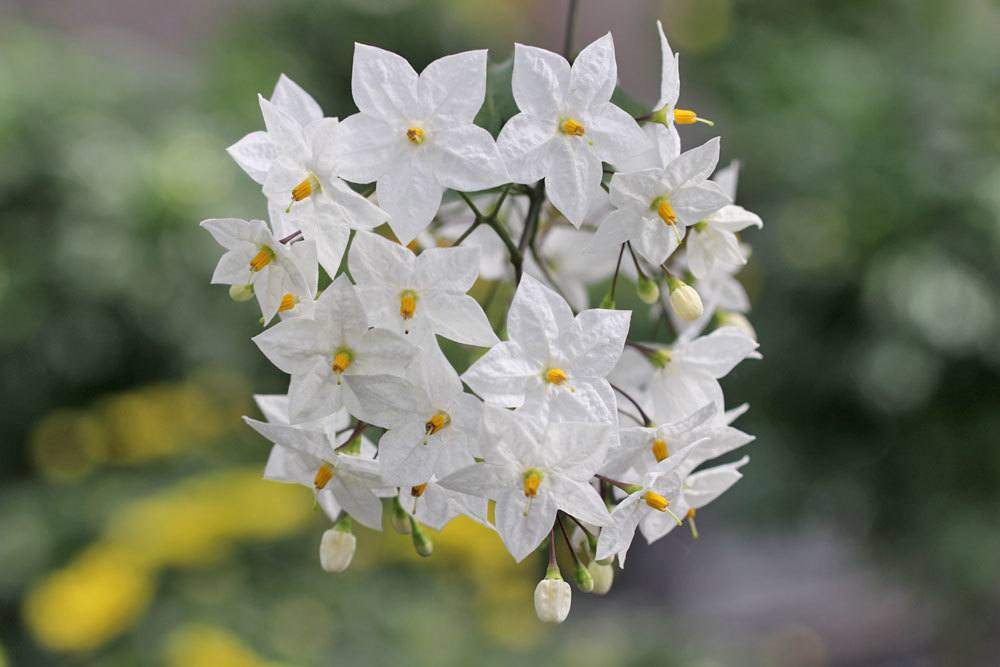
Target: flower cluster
[[568, 426]]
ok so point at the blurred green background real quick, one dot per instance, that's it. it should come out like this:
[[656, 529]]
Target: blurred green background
[[134, 529]]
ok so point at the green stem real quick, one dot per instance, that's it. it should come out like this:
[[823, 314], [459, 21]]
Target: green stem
[[618, 267], [570, 25]]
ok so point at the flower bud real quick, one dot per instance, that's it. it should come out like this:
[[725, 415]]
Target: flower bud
[[648, 290], [603, 575], [608, 302], [399, 518], [421, 542], [584, 581], [336, 549], [684, 300], [738, 320], [241, 292], [553, 597]]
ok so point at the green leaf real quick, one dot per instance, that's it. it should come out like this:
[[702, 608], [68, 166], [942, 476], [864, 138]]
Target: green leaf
[[499, 106]]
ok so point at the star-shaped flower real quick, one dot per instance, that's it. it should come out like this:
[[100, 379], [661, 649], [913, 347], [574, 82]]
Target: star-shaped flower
[[642, 447], [295, 161], [532, 470], [714, 243], [655, 206], [414, 134], [567, 125], [553, 363], [323, 353], [434, 506], [254, 257], [420, 295]]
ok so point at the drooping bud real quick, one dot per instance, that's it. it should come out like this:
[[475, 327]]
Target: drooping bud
[[584, 580], [421, 542], [608, 302], [728, 319], [648, 290], [553, 598], [399, 518], [336, 548], [603, 575], [241, 292], [685, 300]]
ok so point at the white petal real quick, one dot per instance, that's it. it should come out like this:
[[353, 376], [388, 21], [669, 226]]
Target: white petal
[[696, 202], [452, 269], [381, 352], [537, 317], [670, 78], [618, 227], [293, 345], [314, 394], [296, 102], [581, 500], [615, 133], [576, 450], [523, 525], [635, 191], [453, 88], [411, 195], [539, 81], [735, 218], [330, 237], [460, 318], [406, 458], [383, 84], [598, 341], [524, 143], [313, 443], [720, 351], [386, 401], [500, 374], [366, 148], [358, 500], [694, 165], [254, 153], [375, 259], [485, 480], [594, 74], [466, 158], [574, 171], [284, 131]]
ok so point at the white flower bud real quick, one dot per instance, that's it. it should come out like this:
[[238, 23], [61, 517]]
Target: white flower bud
[[603, 575], [241, 292], [685, 300], [552, 600], [648, 290], [738, 320], [336, 550]]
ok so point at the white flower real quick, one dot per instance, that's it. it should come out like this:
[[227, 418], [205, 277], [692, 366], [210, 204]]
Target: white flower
[[642, 447], [431, 424], [322, 354], [532, 470], [553, 363], [434, 506], [567, 125], [336, 549], [714, 243], [421, 294], [553, 598], [414, 134], [296, 163], [655, 206], [255, 257]]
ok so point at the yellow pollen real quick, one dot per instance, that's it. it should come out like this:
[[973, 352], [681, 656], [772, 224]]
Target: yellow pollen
[[305, 189], [656, 501], [288, 302], [691, 513], [407, 304], [342, 360], [660, 450], [555, 376], [263, 257], [665, 211], [437, 422], [418, 490], [413, 246], [685, 117], [323, 476], [532, 479], [415, 135], [572, 127]]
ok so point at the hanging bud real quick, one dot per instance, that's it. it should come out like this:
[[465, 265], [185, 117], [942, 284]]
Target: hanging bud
[[603, 575], [399, 518], [685, 300], [336, 548], [553, 597], [738, 320], [608, 302], [241, 292], [648, 290], [584, 580], [421, 542]]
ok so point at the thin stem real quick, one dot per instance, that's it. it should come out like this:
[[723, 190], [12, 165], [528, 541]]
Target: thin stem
[[570, 26], [553, 563], [635, 403], [516, 257], [635, 260], [359, 428], [569, 544], [291, 237], [645, 349], [499, 202], [531, 219], [638, 420], [614, 482], [579, 524], [618, 268], [546, 273], [465, 234], [472, 205]]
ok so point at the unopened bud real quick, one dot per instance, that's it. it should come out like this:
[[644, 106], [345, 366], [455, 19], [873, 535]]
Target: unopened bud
[[738, 320], [421, 542], [584, 581], [685, 300], [241, 292], [399, 518], [648, 290], [608, 302], [603, 575], [553, 598], [336, 549]]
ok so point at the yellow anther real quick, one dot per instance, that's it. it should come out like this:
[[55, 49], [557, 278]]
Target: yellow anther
[[660, 449], [418, 490], [415, 135], [305, 189], [342, 360], [407, 304], [442, 243], [691, 513], [532, 480], [323, 476], [572, 127], [413, 246], [689, 117], [666, 212], [694, 526], [288, 301], [437, 422], [656, 501], [555, 376], [263, 257]]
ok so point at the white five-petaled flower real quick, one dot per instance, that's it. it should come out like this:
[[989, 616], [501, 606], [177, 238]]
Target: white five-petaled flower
[[323, 353], [414, 134], [532, 469], [431, 424], [655, 206], [295, 161], [254, 257], [553, 364], [641, 448], [714, 243], [434, 506], [567, 125], [420, 295]]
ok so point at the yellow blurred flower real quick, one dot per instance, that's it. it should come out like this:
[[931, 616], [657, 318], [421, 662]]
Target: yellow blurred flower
[[206, 646]]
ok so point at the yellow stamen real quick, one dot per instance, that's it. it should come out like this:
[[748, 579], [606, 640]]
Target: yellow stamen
[[407, 304], [418, 490], [437, 422], [572, 127], [691, 513], [413, 246], [288, 301], [685, 117], [307, 188], [263, 257], [342, 359], [555, 376], [323, 476], [415, 135], [656, 501], [532, 480], [665, 210], [692, 524], [660, 449]]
